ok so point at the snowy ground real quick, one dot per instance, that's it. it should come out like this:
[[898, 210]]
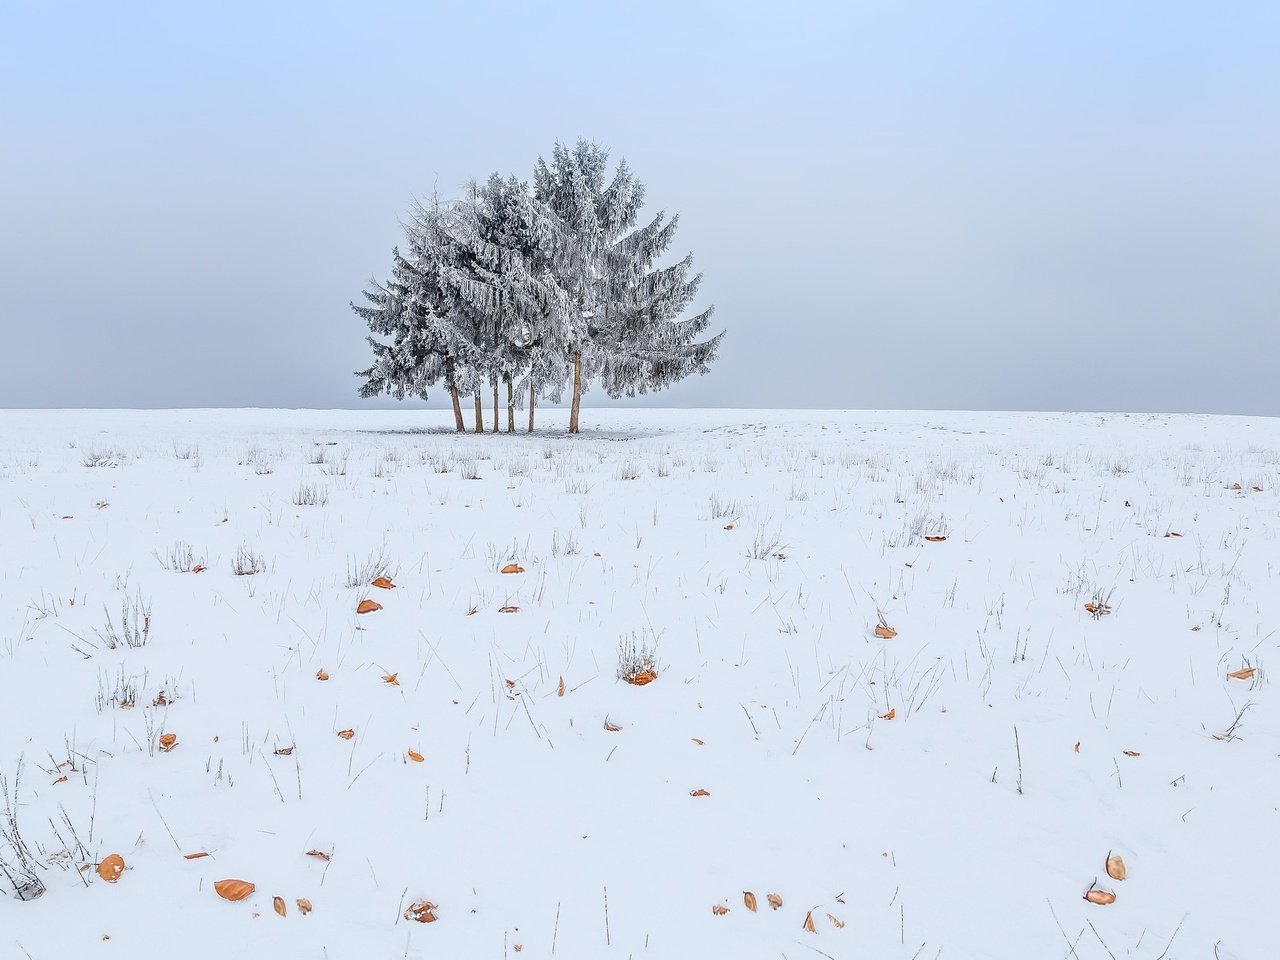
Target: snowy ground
[[950, 792]]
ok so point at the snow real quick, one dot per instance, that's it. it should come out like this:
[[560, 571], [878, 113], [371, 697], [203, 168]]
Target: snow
[[967, 826]]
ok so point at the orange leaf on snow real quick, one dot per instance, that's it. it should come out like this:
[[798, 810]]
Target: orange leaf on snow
[[277, 904], [699, 793], [346, 734], [1100, 897], [198, 568], [111, 867], [512, 568], [422, 911], [194, 856], [304, 906], [234, 889], [391, 678], [611, 727], [383, 583], [168, 741], [885, 632], [1244, 674], [319, 855], [415, 756], [775, 901], [560, 688], [719, 910], [888, 716], [322, 674], [508, 609], [1116, 869], [836, 922], [808, 922], [935, 538], [368, 606], [643, 677], [749, 899]]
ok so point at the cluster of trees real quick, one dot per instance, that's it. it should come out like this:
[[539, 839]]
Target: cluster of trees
[[535, 288]]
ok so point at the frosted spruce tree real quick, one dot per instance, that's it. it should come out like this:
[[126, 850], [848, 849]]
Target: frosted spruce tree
[[622, 326]]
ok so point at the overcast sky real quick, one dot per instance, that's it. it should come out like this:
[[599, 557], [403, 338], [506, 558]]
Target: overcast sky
[[954, 205]]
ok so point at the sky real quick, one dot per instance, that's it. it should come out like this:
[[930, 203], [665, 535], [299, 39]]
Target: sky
[[895, 205]]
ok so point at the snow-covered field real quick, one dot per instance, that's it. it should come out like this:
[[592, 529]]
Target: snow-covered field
[[952, 791]]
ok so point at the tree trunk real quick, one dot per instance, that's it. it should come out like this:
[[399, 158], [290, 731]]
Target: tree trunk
[[457, 408], [577, 392], [479, 414], [511, 407], [495, 406], [533, 395]]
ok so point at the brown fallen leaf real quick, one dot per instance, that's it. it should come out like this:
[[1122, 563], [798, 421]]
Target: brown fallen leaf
[[200, 855], [719, 910], [322, 674], [319, 855], [775, 901], [284, 752], [198, 568], [392, 679], [1116, 869], [1077, 746], [368, 606], [699, 793], [808, 922], [168, 741], [560, 688], [728, 526], [512, 568], [304, 906], [111, 867], [749, 899], [1101, 897], [888, 716], [346, 734], [509, 609], [697, 741], [61, 779], [234, 889], [935, 538], [382, 583], [1097, 609], [1195, 629], [643, 677], [836, 922], [1244, 674], [885, 632], [277, 904], [422, 911], [1132, 753], [1172, 533], [611, 727]]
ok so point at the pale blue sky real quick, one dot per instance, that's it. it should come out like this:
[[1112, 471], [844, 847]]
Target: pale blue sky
[[1039, 206]]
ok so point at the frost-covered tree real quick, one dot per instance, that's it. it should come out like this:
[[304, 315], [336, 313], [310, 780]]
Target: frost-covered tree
[[622, 326]]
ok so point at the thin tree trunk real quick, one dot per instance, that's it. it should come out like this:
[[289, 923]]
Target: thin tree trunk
[[577, 392], [457, 408], [479, 414], [495, 405], [533, 395], [511, 407]]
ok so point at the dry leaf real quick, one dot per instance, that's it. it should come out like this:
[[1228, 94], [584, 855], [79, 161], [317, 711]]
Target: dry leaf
[[749, 899], [421, 910], [194, 856], [1245, 674], [277, 904], [346, 734], [319, 855], [611, 727], [168, 741], [885, 632], [391, 678], [61, 779], [1077, 746], [697, 741], [508, 609], [368, 606], [888, 716], [198, 568], [1172, 533], [936, 538], [560, 688], [284, 752], [1098, 610], [415, 756], [699, 793], [111, 867], [719, 910], [1100, 897], [808, 922], [728, 526], [1236, 486], [304, 906], [1132, 753], [643, 677], [775, 901], [1195, 629], [322, 674], [512, 568], [836, 921], [383, 583], [517, 947], [234, 889], [1115, 867]]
